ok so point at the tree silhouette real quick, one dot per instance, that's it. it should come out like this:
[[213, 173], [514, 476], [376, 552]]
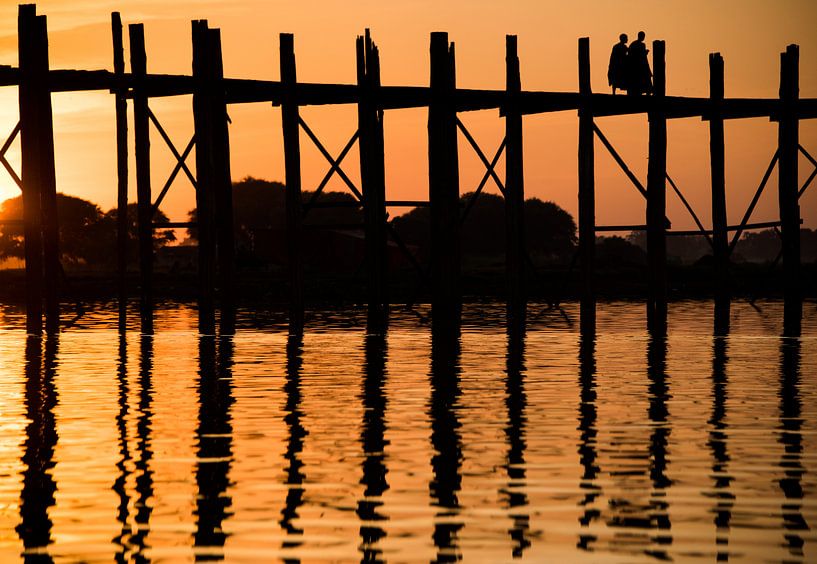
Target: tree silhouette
[[87, 235]]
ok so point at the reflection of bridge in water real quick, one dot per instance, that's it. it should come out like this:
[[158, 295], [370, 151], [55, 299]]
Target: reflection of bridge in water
[[623, 495], [212, 93]]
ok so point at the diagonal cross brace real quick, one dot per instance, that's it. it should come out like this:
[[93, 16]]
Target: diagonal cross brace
[[481, 155], [691, 212], [489, 170], [172, 177], [813, 173], [335, 167], [633, 178], [328, 157], [172, 147], [753, 203], [3, 151]]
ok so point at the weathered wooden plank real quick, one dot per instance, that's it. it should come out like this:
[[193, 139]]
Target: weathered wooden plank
[[31, 81], [657, 197], [292, 171], [443, 170], [121, 108], [587, 190], [141, 135]]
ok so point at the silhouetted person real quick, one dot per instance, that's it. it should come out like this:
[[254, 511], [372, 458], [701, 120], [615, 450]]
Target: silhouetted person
[[617, 70], [638, 67]]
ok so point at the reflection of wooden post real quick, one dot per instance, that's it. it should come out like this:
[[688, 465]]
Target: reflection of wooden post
[[514, 184], [31, 81], [48, 183], [292, 172], [788, 141], [587, 190], [223, 186], [443, 172], [657, 196], [372, 173], [205, 176], [141, 137], [121, 168], [716, 151]]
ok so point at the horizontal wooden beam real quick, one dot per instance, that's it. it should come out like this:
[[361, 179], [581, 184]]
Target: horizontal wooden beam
[[239, 91]]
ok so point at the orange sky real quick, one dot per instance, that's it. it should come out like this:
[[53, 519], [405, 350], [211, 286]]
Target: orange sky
[[749, 33]]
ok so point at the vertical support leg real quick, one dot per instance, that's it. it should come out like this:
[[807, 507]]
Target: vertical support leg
[[443, 171], [514, 187], [788, 141], [48, 184], [223, 190], [292, 173], [587, 192], [656, 198], [30, 83], [205, 176], [138, 63], [372, 172], [121, 170], [720, 236]]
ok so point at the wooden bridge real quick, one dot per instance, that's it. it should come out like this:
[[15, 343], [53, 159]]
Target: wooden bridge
[[212, 93]]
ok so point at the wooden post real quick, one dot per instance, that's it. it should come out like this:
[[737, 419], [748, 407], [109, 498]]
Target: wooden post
[[141, 131], [48, 184], [788, 143], [657, 196], [443, 171], [205, 176], [514, 186], [121, 169], [223, 188], [372, 174], [720, 235], [31, 81], [587, 191], [292, 173]]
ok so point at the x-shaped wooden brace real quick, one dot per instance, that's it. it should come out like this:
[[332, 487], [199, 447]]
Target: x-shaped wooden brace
[[489, 167], [334, 165], [180, 161], [3, 151]]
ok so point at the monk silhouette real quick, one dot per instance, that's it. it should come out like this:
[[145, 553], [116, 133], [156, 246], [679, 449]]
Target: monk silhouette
[[617, 71], [638, 68]]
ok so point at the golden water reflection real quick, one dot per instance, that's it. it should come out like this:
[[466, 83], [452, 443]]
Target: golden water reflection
[[477, 442]]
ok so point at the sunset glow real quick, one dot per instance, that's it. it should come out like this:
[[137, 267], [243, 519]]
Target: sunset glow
[[749, 34]]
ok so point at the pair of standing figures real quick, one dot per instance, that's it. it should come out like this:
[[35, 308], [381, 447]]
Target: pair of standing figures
[[629, 69]]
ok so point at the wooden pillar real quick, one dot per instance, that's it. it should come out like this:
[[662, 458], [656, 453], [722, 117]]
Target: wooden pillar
[[141, 131], [720, 235], [587, 191], [373, 177], [223, 188], [121, 169], [443, 170], [48, 184], [31, 81], [657, 196], [205, 176], [788, 143], [292, 173], [514, 186]]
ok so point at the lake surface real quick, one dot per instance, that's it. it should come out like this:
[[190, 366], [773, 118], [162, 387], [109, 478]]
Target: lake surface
[[338, 445]]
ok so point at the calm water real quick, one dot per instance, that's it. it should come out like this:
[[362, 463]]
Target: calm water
[[345, 446]]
